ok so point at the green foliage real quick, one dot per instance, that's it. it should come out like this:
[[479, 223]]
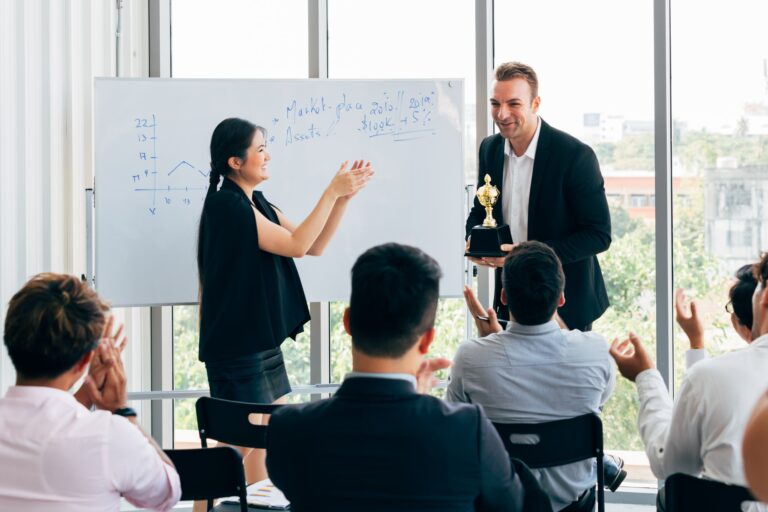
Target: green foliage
[[621, 222], [188, 371], [634, 152]]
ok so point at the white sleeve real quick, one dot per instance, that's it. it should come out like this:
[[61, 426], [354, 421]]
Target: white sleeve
[[137, 471], [693, 356], [671, 434]]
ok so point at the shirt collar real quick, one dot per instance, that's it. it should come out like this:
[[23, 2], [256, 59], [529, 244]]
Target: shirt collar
[[40, 393], [760, 341], [392, 376], [530, 152], [544, 328]]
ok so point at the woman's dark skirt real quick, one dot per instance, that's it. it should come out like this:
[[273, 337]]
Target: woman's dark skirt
[[258, 378]]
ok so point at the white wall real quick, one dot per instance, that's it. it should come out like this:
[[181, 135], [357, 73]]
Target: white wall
[[50, 50]]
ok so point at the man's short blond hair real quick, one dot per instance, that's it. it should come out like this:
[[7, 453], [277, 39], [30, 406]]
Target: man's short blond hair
[[512, 70]]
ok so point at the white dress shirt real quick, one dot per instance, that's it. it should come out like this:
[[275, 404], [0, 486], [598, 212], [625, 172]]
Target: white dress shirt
[[516, 190], [57, 455], [535, 374], [701, 433]]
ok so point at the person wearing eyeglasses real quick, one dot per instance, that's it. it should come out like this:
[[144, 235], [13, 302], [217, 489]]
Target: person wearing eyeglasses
[[701, 433]]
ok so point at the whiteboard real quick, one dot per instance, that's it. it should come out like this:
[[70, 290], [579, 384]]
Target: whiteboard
[[151, 140]]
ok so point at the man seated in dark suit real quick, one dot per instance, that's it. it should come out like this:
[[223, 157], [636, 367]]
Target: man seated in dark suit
[[379, 443]]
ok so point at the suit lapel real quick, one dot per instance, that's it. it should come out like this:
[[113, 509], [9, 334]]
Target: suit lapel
[[540, 167]]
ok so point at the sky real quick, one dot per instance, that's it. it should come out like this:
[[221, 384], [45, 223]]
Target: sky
[[591, 55]]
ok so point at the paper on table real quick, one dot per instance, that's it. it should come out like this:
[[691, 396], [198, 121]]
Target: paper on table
[[264, 494]]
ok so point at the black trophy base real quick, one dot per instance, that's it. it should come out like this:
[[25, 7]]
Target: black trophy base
[[486, 242]]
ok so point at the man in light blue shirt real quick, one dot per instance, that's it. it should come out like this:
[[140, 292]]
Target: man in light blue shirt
[[534, 371]]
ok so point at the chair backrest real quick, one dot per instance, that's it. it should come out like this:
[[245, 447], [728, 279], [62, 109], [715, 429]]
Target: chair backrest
[[207, 473], [686, 492], [542, 445], [227, 421]]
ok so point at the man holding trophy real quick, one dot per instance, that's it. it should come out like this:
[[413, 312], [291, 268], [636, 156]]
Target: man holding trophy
[[548, 188]]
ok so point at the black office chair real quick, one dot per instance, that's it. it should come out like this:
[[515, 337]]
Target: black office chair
[[535, 500], [227, 421], [210, 473], [686, 492], [557, 443]]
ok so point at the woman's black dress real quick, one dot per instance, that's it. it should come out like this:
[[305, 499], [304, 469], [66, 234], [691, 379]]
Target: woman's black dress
[[252, 300]]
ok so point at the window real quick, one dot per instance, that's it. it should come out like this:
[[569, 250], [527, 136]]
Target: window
[[232, 39], [578, 84], [638, 200], [434, 40], [719, 152]]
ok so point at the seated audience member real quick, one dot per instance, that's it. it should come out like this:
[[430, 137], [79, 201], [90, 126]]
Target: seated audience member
[[701, 434], [739, 306], [535, 371], [57, 454], [756, 450], [380, 444]]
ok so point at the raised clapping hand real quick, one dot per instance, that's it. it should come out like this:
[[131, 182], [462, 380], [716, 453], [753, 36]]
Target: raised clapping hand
[[425, 378], [630, 356], [484, 327], [346, 183], [689, 320], [106, 367]]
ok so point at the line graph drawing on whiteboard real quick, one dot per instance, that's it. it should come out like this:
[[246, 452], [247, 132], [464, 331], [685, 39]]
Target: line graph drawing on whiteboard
[[183, 184]]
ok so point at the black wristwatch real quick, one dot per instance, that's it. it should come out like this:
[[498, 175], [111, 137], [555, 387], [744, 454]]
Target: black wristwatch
[[126, 412]]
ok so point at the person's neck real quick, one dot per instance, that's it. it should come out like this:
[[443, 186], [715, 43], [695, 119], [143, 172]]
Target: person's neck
[[762, 331], [520, 145], [369, 364], [247, 188], [62, 382]]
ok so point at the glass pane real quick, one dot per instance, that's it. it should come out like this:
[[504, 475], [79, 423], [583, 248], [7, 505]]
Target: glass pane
[[239, 39], [392, 44], [233, 39], [597, 85], [720, 158]]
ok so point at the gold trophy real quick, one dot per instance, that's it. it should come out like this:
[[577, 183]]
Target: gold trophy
[[486, 239]]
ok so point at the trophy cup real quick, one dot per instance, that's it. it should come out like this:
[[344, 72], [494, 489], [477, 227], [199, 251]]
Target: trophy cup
[[486, 239]]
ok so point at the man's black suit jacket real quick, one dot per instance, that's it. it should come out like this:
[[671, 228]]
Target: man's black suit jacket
[[377, 445], [567, 210]]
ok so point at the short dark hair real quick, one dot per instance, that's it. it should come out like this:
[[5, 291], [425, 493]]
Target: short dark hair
[[394, 299], [52, 322], [533, 281], [511, 70], [741, 295]]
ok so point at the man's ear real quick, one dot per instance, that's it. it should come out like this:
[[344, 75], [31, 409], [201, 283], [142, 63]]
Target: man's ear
[[346, 321], [425, 340], [503, 297], [535, 104], [84, 361], [561, 300]]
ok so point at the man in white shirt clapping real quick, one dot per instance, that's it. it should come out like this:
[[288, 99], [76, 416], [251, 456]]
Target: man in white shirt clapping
[[701, 434], [57, 454]]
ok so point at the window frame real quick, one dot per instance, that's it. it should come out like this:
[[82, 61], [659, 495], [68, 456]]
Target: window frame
[[161, 317]]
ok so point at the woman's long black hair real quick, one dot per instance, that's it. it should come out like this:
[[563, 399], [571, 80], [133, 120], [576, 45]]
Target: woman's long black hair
[[232, 137]]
